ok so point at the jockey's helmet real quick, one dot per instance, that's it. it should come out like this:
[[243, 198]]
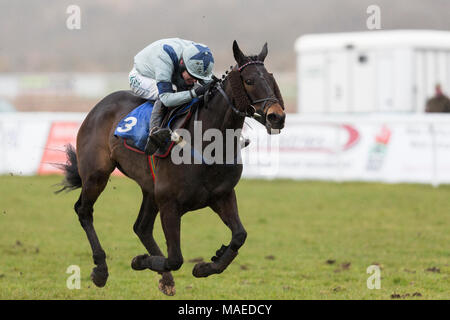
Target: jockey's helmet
[[199, 61]]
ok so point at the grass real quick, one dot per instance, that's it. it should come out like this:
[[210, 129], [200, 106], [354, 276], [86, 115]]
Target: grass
[[306, 240]]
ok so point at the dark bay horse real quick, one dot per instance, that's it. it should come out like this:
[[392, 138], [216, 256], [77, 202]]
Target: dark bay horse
[[248, 90]]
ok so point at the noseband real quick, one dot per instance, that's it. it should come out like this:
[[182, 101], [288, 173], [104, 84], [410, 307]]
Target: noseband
[[250, 110]]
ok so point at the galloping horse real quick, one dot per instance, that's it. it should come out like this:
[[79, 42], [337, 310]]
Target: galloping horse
[[248, 90]]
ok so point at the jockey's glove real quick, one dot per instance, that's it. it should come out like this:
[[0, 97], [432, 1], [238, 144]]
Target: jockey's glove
[[201, 90]]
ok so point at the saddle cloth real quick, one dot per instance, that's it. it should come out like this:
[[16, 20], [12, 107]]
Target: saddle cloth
[[134, 127]]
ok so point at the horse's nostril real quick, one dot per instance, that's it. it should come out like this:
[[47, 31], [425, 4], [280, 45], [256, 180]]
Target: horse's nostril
[[273, 117]]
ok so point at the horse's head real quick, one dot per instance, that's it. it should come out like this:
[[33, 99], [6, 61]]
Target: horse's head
[[255, 90]]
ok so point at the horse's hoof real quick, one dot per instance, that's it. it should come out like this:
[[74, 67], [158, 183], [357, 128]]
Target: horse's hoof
[[203, 269], [166, 287], [136, 263], [99, 276]]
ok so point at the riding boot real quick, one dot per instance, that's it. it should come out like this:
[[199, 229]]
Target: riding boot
[[155, 121]]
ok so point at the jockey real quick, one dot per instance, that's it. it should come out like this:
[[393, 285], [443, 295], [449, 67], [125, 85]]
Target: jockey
[[172, 72]]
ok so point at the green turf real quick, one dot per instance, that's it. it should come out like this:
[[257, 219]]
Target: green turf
[[298, 225]]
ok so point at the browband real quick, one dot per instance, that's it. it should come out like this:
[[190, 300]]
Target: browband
[[249, 63]]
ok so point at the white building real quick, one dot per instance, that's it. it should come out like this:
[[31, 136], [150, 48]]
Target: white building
[[374, 71]]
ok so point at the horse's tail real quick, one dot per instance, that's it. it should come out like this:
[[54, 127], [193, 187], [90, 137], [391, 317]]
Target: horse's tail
[[72, 179]]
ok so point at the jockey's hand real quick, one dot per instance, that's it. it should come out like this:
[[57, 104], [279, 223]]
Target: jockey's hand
[[201, 90], [215, 79]]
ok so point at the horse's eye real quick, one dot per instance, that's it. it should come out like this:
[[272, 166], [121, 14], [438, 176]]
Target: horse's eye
[[249, 82]]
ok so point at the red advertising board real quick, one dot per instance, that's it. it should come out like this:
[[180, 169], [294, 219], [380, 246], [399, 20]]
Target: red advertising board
[[61, 134]]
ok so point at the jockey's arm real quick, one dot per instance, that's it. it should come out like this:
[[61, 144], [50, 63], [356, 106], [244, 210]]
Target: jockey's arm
[[172, 99], [166, 93]]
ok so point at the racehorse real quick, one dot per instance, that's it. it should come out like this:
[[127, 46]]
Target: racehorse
[[247, 90]]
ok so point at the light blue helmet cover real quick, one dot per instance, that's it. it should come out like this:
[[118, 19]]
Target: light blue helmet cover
[[199, 61]]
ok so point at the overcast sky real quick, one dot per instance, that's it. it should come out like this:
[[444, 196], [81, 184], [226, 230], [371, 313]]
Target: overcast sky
[[34, 36]]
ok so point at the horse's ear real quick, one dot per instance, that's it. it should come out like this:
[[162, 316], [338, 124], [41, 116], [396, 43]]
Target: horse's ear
[[262, 55], [238, 55]]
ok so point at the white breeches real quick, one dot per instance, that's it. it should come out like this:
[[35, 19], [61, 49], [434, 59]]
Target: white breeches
[[143, 86]]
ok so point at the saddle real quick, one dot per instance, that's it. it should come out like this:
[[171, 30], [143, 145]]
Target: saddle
[[134, 127]]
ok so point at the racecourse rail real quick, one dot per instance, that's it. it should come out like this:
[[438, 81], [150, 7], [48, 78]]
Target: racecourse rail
[[412, 148]]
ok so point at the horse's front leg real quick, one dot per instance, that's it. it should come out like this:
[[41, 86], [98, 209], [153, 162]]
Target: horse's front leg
[[226, 208], [171, 223]]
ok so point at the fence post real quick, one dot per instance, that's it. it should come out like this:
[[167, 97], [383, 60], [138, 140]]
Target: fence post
[[434, 174]]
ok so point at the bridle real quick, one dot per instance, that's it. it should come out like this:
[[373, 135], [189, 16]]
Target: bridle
[[250, 110]]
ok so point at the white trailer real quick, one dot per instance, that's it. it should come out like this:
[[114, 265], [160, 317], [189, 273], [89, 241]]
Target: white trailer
[[375, 71]]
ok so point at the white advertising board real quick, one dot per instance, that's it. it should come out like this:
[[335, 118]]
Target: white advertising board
[[406, 148], [25, 139]]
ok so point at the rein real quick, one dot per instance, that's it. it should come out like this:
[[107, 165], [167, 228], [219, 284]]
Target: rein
[[227, 99]]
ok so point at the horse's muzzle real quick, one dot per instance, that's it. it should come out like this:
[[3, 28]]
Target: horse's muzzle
[[275, 121]]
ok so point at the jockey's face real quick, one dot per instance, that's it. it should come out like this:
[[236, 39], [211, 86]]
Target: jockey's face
[[188, 78]]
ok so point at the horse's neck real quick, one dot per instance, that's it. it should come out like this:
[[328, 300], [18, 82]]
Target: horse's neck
[[220, 115]]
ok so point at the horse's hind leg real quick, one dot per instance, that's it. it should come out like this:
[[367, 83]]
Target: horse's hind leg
[[226, 208], [93, 184], [143, 227]]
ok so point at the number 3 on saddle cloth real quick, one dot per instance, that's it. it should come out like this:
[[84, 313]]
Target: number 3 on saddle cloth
[[134, 127]]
